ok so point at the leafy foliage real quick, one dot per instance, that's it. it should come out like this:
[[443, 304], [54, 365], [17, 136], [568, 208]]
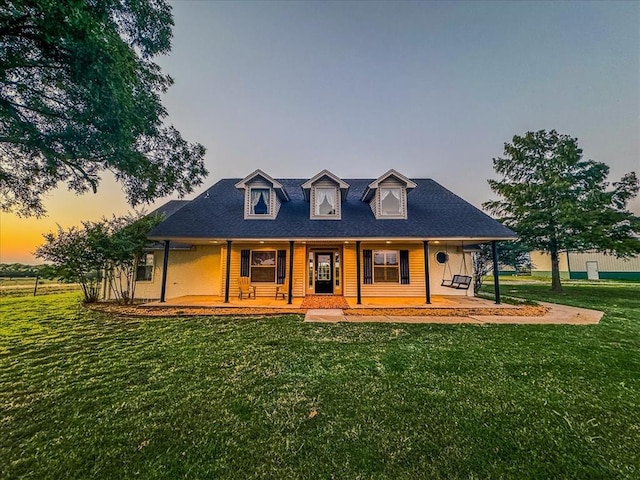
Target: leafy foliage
[[512, 254], [105, 250], [125, 246], [482, 261], [20, 270], [80, 94], [556, 201], [78, 253]]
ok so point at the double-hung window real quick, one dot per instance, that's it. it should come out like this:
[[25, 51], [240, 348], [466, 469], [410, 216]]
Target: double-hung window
[[144, 269], [263, 266], [260, 201], [386, 266]]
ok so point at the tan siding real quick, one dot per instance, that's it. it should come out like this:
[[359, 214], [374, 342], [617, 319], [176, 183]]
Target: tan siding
[[416, 273], [541, 261], [299, 270], [263, 289], [349, 270], [606, 263]]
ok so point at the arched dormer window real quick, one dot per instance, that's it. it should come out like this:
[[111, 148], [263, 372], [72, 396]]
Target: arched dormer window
[[387, 196], [325, 193], [263, 196]]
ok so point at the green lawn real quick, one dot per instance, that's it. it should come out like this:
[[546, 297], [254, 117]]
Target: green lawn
[[83, 395]]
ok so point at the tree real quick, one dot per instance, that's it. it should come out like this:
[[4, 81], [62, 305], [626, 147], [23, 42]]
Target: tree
[[512, 254], [80, 95], [107, 250], [78, 254], [482, 261], [124, 247], [556, 201], [515, 255]]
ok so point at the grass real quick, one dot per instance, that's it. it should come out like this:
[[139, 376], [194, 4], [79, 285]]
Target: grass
[[85, 395]]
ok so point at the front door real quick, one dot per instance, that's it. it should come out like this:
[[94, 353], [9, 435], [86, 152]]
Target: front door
[[324, 269]]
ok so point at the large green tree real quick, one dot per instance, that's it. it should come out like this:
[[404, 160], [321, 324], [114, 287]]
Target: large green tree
[[80, 95], [556, 201]]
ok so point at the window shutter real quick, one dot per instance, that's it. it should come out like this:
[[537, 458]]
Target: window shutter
[[244, 262], [282, 266], [368, 267], [404, 267]]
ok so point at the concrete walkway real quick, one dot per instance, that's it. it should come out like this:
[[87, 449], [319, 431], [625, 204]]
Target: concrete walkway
[[557, 314]]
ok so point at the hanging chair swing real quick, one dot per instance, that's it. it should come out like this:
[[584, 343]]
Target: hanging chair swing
[[458, 281]]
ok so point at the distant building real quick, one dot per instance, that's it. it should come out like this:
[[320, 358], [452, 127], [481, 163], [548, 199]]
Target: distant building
[[592, 265]]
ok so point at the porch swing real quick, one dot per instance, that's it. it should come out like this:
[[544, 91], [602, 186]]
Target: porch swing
[[458, 281]]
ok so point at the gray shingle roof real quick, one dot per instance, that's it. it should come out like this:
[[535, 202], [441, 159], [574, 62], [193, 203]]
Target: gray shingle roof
[[433, 212], [169, 208]]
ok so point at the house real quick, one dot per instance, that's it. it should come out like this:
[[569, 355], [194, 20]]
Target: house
[[359, 238], [592, 265]]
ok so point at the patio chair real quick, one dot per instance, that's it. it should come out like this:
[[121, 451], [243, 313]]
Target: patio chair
[[282, 290], [245, 288]]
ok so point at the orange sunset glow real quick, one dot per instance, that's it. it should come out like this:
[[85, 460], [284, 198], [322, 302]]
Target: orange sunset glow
[[19, 237]]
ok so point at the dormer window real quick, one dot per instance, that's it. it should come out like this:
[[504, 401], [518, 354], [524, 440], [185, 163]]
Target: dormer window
[[325, 193], [260, 201], [387, 196], [326, 202], [263, 196]]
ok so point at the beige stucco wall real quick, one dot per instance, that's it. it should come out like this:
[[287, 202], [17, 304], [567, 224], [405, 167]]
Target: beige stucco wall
[[456, 267], [190, 272]]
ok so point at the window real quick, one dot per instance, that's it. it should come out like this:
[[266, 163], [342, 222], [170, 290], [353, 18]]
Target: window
[[144, 269], [326, 202], [386, 267], [260, 201], [263, 266], [391, 201], [442, 257]]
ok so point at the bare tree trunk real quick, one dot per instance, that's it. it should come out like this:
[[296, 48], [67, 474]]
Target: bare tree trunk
[[556, 285]]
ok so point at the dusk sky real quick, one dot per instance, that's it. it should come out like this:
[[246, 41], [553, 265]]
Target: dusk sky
[[431, 89]]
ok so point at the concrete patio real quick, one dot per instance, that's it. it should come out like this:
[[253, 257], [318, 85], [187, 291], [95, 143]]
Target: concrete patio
[[556, 314]]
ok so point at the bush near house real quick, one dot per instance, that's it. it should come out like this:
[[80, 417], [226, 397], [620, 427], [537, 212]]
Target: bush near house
[[87, 395]]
